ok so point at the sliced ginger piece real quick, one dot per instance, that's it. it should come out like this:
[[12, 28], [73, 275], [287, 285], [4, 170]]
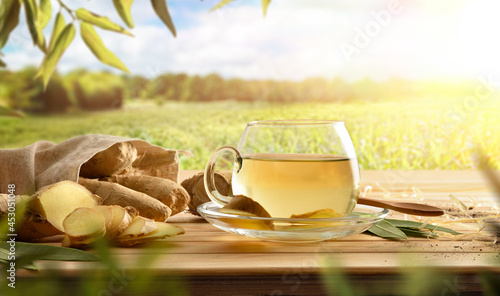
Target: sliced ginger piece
[[245, 206], [121, 219], [107, 213], [55, 202], [140, 226], [83, 226], [162, 231], [318, 214]]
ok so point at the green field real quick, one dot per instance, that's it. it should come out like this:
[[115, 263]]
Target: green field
[[416, 135]]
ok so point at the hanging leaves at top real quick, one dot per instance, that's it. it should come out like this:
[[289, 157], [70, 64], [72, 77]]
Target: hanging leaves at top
[[100, 21], [161, 9]]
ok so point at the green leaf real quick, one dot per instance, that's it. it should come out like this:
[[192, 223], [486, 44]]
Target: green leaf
[[95, 44], [52, 58], [48, 252], [45, 13], [385, 229], [221, 4], [417, 233], [123, 7], [56, 30], [2, 64], [265, 4], [161, 9], [31, 10], [100, 21], [418, 225], [9, 18]]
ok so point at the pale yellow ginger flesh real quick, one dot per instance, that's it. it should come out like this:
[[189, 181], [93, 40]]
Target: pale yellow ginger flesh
[[55, 202], [84, 223], [83, 227]]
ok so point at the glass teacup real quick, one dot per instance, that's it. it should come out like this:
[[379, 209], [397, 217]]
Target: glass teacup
[[292, 167]]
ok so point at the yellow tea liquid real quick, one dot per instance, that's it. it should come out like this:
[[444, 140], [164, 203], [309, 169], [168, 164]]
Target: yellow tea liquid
[[286, 184]]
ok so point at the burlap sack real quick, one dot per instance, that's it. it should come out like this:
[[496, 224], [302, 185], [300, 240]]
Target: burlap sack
[[44, 163]]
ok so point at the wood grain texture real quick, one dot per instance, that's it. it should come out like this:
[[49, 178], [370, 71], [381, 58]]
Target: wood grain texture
[[213, 262]]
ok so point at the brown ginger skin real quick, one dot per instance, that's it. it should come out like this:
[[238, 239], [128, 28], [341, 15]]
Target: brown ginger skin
[[167, 191], [116, 194], [196, 188], [111, 161]]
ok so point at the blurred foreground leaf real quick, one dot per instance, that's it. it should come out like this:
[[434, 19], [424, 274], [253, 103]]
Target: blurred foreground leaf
[[95, 44], [9, 18], [100, 21], [161, 9], [123, 7]]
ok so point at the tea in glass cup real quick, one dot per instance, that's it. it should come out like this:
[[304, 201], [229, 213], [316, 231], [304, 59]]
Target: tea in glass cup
[[292, 167]]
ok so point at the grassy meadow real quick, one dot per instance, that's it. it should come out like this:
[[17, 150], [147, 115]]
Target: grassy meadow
[[446, 134]]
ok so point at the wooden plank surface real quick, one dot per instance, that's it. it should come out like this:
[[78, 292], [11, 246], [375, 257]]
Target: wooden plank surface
[[210, 257]]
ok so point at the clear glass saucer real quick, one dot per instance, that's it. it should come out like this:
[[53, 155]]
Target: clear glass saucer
[[297, 230]]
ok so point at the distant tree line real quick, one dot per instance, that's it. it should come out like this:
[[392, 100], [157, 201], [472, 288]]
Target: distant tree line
[[84, 90]]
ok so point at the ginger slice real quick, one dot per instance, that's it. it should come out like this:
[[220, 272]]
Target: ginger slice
[[55, 202], [83, 226], [162, 231], [323, 213], [140, 226], [245, 206]]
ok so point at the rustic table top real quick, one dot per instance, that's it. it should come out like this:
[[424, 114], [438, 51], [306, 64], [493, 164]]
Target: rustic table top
[[213, 262]]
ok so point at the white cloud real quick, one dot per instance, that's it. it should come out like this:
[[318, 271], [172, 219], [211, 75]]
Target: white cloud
[[298, 39]]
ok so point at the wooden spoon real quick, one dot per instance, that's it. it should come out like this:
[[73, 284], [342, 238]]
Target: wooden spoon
[[403, 207]]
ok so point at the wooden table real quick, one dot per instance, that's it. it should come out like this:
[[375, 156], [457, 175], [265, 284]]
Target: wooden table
[[208, 261]]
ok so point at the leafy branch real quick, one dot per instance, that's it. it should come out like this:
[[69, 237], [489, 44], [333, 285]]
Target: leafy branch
[[39, 13]]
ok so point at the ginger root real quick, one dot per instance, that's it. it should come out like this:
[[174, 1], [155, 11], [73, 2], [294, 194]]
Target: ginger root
[[111, 161], [116, 194], [196, 188], [55, 202], [140, 226], [167, 191]]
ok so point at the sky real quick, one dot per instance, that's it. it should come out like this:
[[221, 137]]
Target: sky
[[352, 39]]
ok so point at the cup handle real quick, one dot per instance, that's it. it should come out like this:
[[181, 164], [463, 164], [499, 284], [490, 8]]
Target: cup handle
[[209, 178]]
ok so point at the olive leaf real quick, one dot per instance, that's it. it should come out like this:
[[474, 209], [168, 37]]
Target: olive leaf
[[100, 21], [123, 8], [265, 4], [26, 253], [387, 230], [56, 30], [95, 44], [51, 58], [2, 64], [417, 233], [32, 18], [221, 4], [418, 225], [161, 9], [44, 14], [9, 18]]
